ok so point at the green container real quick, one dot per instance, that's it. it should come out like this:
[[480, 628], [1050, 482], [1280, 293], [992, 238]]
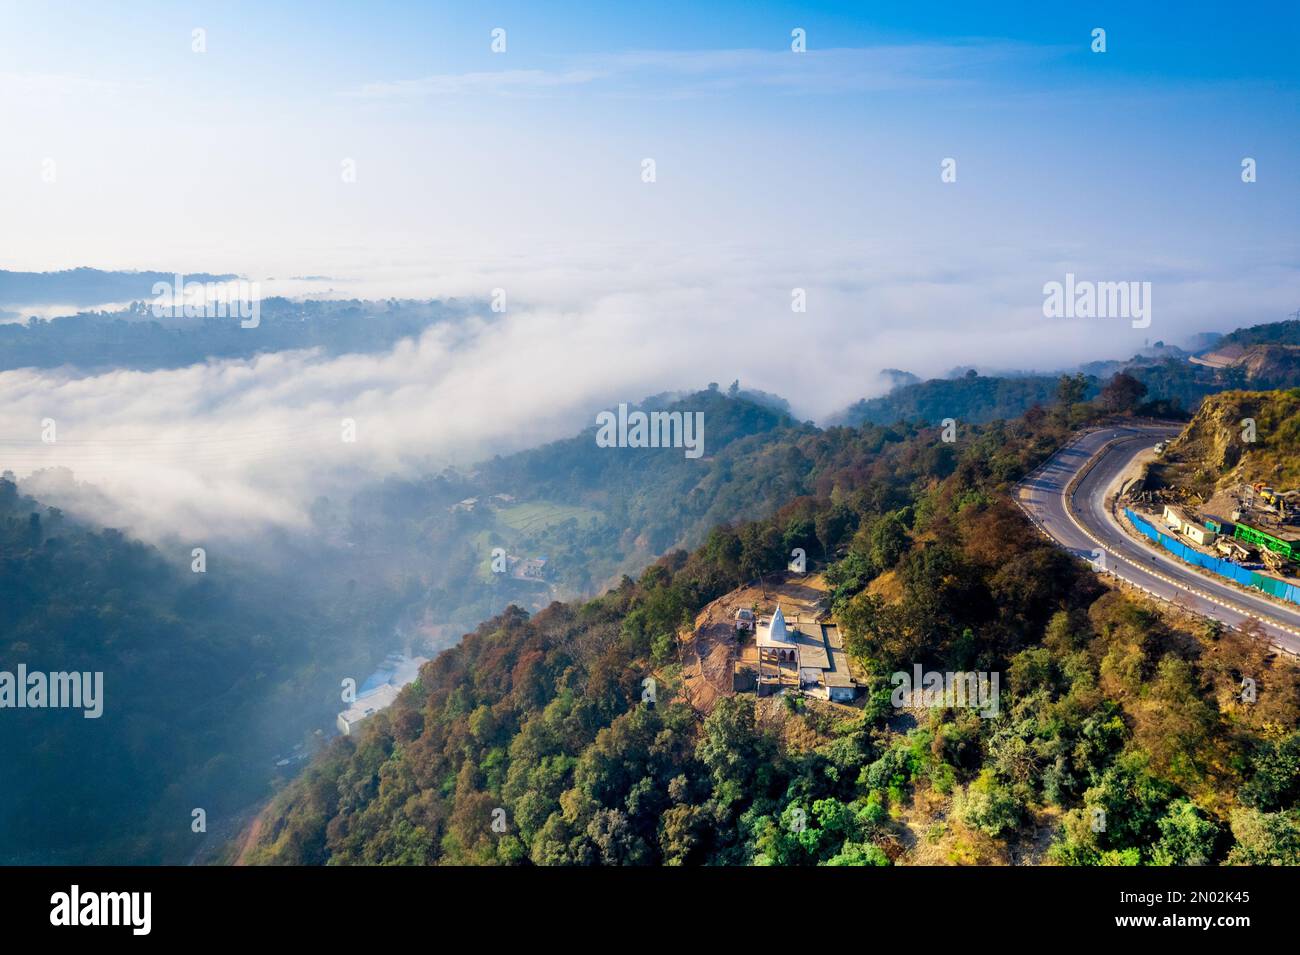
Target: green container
[[1263, 539]]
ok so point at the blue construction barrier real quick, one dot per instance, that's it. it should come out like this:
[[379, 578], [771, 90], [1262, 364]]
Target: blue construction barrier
[[1224, 568]]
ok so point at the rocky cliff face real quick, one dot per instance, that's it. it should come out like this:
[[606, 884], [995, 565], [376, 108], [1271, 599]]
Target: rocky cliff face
[[1244, 436]]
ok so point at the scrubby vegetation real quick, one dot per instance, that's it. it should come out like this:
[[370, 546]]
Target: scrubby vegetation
[[1213, 453]]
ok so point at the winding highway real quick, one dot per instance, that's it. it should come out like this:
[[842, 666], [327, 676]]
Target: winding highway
[[1069, 499]]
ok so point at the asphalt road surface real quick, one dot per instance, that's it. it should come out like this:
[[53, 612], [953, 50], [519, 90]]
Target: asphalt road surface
[[1093, 533]]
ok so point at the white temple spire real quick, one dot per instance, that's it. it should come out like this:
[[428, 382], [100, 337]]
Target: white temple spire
[[777, 630]]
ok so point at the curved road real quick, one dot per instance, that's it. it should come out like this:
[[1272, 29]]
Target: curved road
[[1072, 510]]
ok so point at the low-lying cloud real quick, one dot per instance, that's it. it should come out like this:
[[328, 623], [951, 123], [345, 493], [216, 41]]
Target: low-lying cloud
[[225, 447]]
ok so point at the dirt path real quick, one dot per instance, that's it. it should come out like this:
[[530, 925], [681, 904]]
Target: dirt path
[[249, 839], [707, 657]]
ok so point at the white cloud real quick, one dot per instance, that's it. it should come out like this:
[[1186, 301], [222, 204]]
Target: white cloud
[[500, 82], [225, 447], [688, 72]]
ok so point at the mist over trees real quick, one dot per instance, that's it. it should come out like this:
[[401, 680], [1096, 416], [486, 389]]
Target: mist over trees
[[212, 678]]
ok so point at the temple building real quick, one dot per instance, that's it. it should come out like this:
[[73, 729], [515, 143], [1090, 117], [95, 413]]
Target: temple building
[[804, 655]]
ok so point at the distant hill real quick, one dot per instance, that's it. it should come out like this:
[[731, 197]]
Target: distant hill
[[898, 378], [86, 286], [1270, 365], [133, 338], [1273, 333], [1265, 356], [1266, 364], [663, 494], [971, 399]]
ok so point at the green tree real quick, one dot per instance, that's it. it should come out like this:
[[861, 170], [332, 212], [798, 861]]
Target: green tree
[[1265, 838], [1070, 390], [1187, 837], [733, 751], [988, 806]]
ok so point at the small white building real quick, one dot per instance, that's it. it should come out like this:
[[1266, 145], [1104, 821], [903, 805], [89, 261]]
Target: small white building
[[1174, 518], [1201, 535], [380, 690], [367, 705]]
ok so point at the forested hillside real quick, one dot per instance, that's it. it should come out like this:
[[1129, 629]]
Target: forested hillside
[[1273, 333], [538, 724], [1263, 356], [1173, 387], [593, 514], [218, 675], [205, 678], [972, 399], [751, 462]]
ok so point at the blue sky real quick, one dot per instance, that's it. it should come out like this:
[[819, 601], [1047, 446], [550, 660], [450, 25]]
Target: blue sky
[[1185, 41], [477, 170]]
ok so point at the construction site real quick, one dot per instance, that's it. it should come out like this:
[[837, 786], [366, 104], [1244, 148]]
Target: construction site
[[1248, 532]]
